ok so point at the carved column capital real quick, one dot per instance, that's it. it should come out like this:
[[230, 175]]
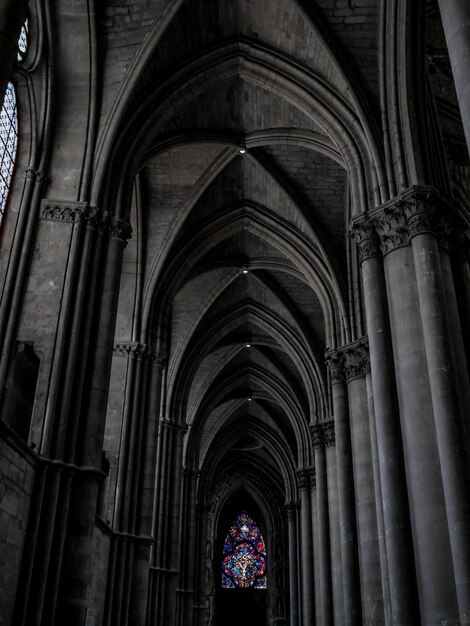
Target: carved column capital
[[365, 235], [329, 433], [306, 477], [317, 433], [168, 424], [335, 364], [119, 229], [356, 360]]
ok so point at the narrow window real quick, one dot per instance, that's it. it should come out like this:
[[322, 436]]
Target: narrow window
[[244, 556], [8, 142]]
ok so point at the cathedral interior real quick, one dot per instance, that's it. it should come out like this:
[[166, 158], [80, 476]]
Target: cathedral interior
[[234, 313]]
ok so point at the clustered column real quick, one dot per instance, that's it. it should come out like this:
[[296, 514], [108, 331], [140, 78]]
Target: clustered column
[[415, 292], [347, 513]]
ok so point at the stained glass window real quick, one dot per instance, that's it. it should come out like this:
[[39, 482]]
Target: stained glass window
[[8, 141], [244, 556], [23, 42], [9, 127]]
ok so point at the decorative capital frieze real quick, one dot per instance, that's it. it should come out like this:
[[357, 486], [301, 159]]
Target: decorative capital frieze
[[306, 477], [416, 211], [316, 431], [323, 434], [356, 359], [365, 235], [131, 349], [64, 211], [329, 433], [119, 229], [335, 363]]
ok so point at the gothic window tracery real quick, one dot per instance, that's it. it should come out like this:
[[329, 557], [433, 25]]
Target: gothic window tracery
[[244, 555], [9, 127]]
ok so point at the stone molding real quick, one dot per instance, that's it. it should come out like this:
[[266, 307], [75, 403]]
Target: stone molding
[[418, 210], [306, 477], [349, 362], [64, 211], [81, 212], [168, 424], [134, 349], [323, 434]]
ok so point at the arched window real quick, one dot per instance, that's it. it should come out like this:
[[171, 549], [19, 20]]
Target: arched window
[[244, 556], [8, 142], [9, 127]]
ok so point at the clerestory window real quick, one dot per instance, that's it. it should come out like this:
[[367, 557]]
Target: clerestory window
[[9, 127]]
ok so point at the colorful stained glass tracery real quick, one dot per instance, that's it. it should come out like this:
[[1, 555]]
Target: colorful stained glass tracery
[[244, 556]]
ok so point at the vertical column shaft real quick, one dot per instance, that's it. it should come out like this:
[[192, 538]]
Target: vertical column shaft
[[350, 574], [306, 537], [292, 509], [455, 16], [397, 531]]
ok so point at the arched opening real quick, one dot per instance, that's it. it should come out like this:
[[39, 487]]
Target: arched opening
[[243, 549]]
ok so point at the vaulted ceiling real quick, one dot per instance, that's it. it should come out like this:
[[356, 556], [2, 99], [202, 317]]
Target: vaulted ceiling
[[245, 125]]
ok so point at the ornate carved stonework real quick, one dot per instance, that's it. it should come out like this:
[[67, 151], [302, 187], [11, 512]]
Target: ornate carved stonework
[[306, 477], [418, 210], [356, 359], [329, 436], [317, 435], [335, 364], [134, 349], [119, 229], [64, 211], [367, 240]]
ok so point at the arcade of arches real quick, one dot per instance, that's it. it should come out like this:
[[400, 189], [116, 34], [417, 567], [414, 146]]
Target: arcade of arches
[[234, 314]]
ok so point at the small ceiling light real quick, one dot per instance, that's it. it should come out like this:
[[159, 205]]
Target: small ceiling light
[[249, 399], [241, 150], [245, 269], [248, 345]]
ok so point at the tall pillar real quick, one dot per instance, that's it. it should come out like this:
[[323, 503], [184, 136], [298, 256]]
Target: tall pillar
[[455, 15], [323, 551], [329, 439], [426, 490], [397, 531], [292, 509], [423, 217], [305, 477], [356, 362], [347, 515]]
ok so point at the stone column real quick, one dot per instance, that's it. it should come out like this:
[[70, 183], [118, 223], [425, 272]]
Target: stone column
[[424, 224], [323, 551], [356, 360], [329, 439], [347, 515], [397, 531], [430, 532], [455, 15], [292, 509], [305, 476]]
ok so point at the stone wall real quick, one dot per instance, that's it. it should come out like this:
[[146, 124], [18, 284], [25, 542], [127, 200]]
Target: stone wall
[[17, 471]]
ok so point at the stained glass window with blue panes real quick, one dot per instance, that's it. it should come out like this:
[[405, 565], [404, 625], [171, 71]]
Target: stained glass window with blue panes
[[244, 556], [9, 127]]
